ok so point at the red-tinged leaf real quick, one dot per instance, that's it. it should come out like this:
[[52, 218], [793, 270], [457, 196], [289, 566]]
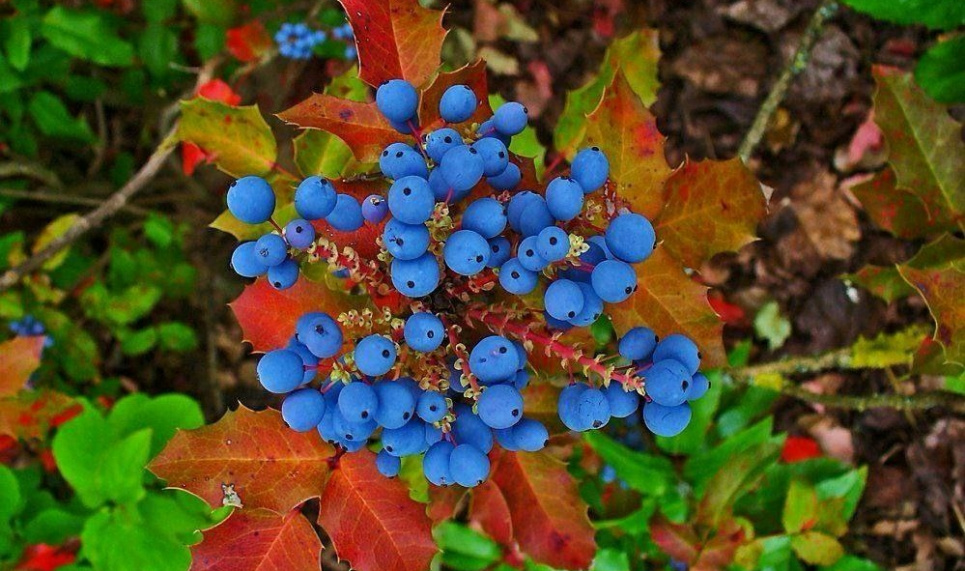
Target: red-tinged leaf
[[30, 414], [709, 207], [395, 39], [728, 312], [259, 540], [363, 240], [897, 210], [270, 465], [718, 552], [267, 316], [372, 521], [548, 516], [473, 75], [248, 42], [444, 502], [218, 90], [676, 540], [883, 281], [192, 156], [671, 302], [359, 124], [43, 557], [19, 358], [238, 139], [489, 511], [627, 132], [734, 478], [799, 448]]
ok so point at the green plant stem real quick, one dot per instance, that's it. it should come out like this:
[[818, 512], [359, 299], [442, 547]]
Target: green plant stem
[[795, 66]]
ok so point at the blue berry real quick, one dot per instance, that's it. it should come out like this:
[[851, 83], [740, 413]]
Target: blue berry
[[440, 141], [303, 409], [529, 255], [399, 160], [458, 103], [613, 280], [415, 278], [468, 465], [374, 208], [441, 189], [552, 244], [486, 217], [679, 348], [405, 241], [246, 262], [487, 129], [397, 99], [309, 360], [411, 200], [387, 464], [347, 214], [500, 250], [510, 119], [405, 127], [699, 386], [271, 250], [315, 198], [461, 167], [469, 429], [406, 440], [500, 406], [631, 237], [300, 233], [622, 403], [326, 427], [433, 434], [320, 333], [638, 344], [590, 168], [564, 198], [358, 402], [530, 435], [280, 371], [667, 382], [423, 332], [554, 323], [354, 432], [432, 406], [563, 299], [251, 199], [375, 355], [535, 217], [466, 252], [666, 420], [435, 464], [521, 380], [592, 305], [493, 359], [517, 204], [521, 355], [284, 275], [593, 409], [600, 242], [396, 404], [504, 437], [516, 279], [567, 406], [595, 252], [506, 180], [494, 154]]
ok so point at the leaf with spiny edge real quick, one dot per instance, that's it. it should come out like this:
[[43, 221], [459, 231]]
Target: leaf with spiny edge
[[19, 358], [473, 75], [261, 540], [238, 138]]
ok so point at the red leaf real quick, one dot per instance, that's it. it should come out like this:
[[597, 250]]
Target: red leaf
[[676, 540], [270, 465], [395, 39], [43, 557], [30, 414], [363, 240], [798, 448], [372, 521], [444, 502], [548, 516], [490, 512], [259, 540], [359, 124], [19, 358], [218, 90], [267, 316], [192, 156], [473, 75], [248, 42]]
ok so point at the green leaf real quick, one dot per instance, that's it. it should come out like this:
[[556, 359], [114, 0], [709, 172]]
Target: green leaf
[[53, 526], [318, 152], [651, 475], [849, 486], [941, 73], [852, 563], [887, 349], [159, 230], [209, 40], [239, 136], [159, 10], [217, 12], [610, 560], [771, 325], [138, 342], [940, 14], [118, 540], [158, 48], [177, 336], [9, 79], [735, 478], [18, 42], [800, 507], [463, 548], [817, 548], [883, 281], [9, 494], [701, 467], [54, 120], [175, 512], [164, 415], [87, 35]]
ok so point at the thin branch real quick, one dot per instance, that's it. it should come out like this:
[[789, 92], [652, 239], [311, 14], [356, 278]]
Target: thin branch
[[58, 198], [796, 65], [30, 170]]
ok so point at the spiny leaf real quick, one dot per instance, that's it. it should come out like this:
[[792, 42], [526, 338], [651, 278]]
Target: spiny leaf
[[238, 137], [671, 302], [473, 75], [395, 39], [372, 521], [710, 207], [269, 465], [321, 153], [19, 358], [627, 132], [363, 240], [488, 509], [895, 209], [359, 124], [548, 516], [30, 414], [267, 316], [259, 540]]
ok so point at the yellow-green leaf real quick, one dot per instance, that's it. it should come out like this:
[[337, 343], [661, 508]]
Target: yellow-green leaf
[[239, 139], [817, 548], [800, 507], [54, 230]]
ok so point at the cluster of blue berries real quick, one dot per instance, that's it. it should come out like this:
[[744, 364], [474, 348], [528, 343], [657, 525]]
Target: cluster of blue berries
[[345, 34], [30, 326], [297, 41]]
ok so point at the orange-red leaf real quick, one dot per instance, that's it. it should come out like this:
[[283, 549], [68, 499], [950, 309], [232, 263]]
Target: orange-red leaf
[[669, 301], [676, 540], [30, 414], [248, 42], [267, 316], [627, 132], [395, 39], [548, 516], [372, 521], [473, 75], [359, 124], [19, 358], [259, 540], [363, 240], [444, 502], [270, 465], [488, 510], [709, 207], [895, 209]]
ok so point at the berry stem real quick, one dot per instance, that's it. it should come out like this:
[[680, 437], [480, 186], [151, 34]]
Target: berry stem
[[276, 226], [460, 354]]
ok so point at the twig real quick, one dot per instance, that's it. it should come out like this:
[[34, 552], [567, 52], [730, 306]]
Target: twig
[[30, 170], [796, 65], [58, 198]]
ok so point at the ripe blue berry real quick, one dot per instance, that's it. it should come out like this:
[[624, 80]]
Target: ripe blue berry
[[320, 333], [631, 237], [251, 199], [563, 299], [600, 242], [469, 429], [396, 404], [284, 275], [494, 154], [387, 464], [666, 420], [271, 249], [554, 323], [500, 406], [326, 428], [506, 180], [504, 437], [638, 344], [415, 278], [433, 434], [510, 119], [595, 253], [535, 217], [458, 103], [516, 279], [521, 380], [280, 371], [441, 189], [397, 99], [592, 305], [405, 127], [303, 409], [374, 208], [592, 409], [517, 204], [400, 160], [590, 168], [530, 435], [357, 402], [679, 348], [410, 200], [347, 214], [432, 406], [406, 440], [622, 403], [667, 382], [309, 360], [315, 198], [423, 332], [435, 464], [529, 255], [486, 217], [500, 250], [613, 280], [493, 359], [468, 465], [567, 406], [440, 141], [354, 432], [375, 355], [461, 167], [699, 386], [466, 252], [246, 262], [405, 241], [552, 244], [487, 129], [300, 233], [564, 198]]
